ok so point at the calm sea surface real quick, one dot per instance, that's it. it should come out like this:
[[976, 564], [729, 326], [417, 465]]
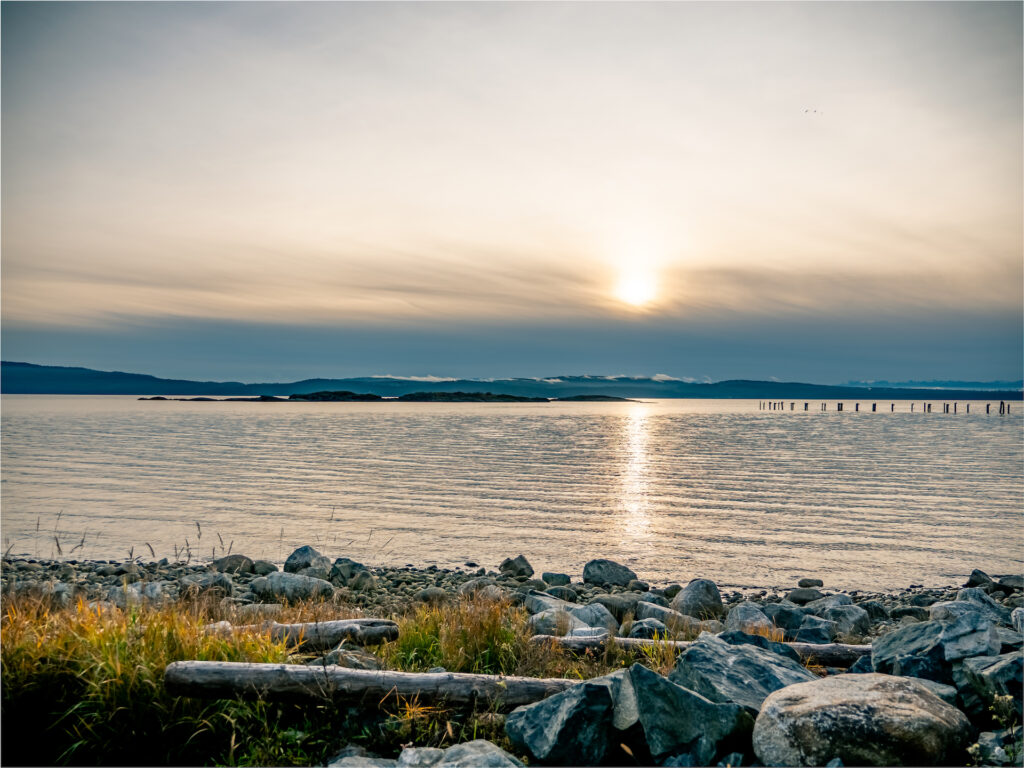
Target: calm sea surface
[[674, 488]]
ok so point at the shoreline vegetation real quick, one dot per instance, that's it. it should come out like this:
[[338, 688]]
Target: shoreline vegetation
[[674, 674]]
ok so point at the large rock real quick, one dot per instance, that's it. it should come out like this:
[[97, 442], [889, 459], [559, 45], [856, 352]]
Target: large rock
[[992, 676], [517, 566], [556, 579], [470, 754], [861, 719], [569, 728], [677, 623], [993, 610], [930, 648], [343, 570], [215, 584], [849, 619], [822, 604], [595, 615], [803, 595], [814, 629], [607, 573], [537, 602], [291, 587], [735, 674], [785, 615], [748, 617], [619, 605], [743, 638], [306, 557], [554, 621], [700, 598], [234, 564], [677, 720], [648, 629], [978, 578]]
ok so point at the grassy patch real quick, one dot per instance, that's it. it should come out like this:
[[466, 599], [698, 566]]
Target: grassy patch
[[85, 686]]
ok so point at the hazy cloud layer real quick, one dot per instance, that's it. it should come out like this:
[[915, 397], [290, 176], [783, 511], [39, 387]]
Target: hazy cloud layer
[[372, 167]]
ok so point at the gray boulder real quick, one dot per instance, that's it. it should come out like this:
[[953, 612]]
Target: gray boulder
[[1017, 619], [676, 622], [785, 615], [648, 629], [263, 567], [748, 617], [517, 566], [875, 610], [803, 595], [675, 719], [700, 598], [607, 573], [822, 604], [537, 602], [343, 569], [291, 587], [849, 619], [743, 638], [234, 564], [978, 578], [569, 728], [735, 674], [861, 719], [914, 612], [996, 612], [992, 676], [473, 586], [431, 596], [1008, 584], [595, 615], [653, 597], [568, 594], [475, 754], [929, 648], [306, 557], [554, 621], [619, 605], [556, 579], [814, 629], [808, 583], [218, 584]]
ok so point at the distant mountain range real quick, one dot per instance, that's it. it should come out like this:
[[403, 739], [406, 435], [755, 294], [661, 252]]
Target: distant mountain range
[[980, 385], [27, 378]]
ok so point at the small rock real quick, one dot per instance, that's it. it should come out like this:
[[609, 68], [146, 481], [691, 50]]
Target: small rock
[[291, 587], [568, 594], [915, 612], [978, 578], [742, 638], [554, 621], [875, 610], [988, 606], [595, 615], [635, 585], [808, 583], [431, 595], [849, 619], [607, 572], [263, 567], [677, 623], [619, 605]]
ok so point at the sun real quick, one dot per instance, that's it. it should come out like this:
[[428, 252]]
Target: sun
[[637, 288]]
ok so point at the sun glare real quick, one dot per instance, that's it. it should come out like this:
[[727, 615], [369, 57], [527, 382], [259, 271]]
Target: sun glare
[[637, 288]]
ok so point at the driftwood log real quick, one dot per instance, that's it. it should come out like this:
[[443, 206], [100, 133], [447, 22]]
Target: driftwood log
[[826, 654], [320, 635], [226, 679]]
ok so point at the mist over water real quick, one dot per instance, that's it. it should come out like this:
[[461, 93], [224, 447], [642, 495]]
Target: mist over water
[[674, 488]]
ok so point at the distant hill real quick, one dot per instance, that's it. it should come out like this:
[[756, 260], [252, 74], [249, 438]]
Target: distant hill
[[27, 378]]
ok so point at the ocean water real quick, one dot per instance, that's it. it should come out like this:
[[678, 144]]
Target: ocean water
[[673, 488]]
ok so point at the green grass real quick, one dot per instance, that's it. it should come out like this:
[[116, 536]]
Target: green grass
[[85, 686]]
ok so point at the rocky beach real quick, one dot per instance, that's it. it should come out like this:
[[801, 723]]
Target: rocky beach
[[805, 675]]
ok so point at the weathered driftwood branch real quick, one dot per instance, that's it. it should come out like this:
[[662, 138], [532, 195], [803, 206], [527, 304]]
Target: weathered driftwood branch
[[829, 655], [225, 679], [320, 635]]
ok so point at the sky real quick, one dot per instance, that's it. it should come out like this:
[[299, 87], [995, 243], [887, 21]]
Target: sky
[[263, 191]]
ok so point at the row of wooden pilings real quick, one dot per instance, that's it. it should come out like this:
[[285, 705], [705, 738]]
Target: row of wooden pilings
[[779, 405]]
